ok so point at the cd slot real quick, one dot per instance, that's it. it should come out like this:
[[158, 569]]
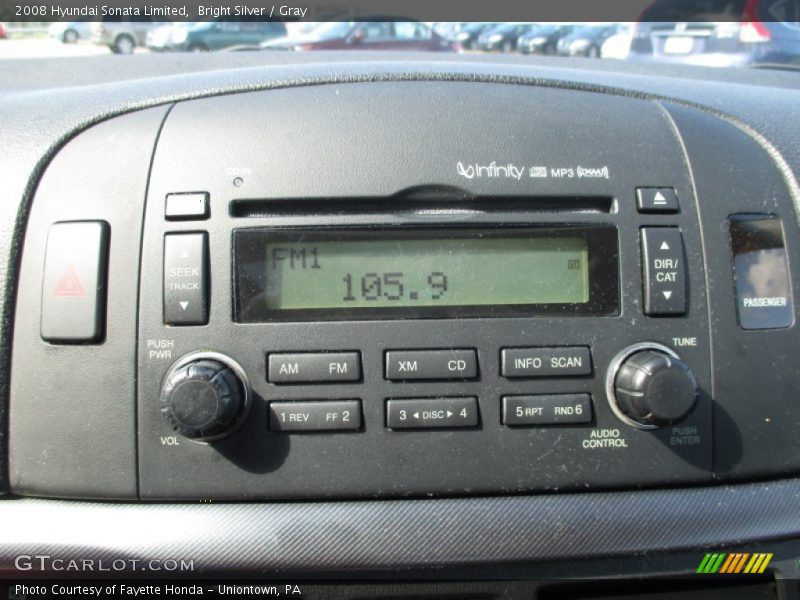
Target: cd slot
[[303, 207]]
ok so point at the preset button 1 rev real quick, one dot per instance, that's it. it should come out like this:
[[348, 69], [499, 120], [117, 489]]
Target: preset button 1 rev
[[323, 415], [314, 367]]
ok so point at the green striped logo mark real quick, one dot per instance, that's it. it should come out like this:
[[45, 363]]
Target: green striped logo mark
[[734, 563], [711, 562]]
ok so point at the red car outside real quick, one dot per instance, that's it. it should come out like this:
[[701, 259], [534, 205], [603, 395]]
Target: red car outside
[[366, 35]]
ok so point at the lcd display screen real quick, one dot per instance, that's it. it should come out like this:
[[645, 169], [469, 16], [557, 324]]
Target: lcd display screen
[[314, 273]]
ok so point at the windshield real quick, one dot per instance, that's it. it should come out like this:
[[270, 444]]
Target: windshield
[[693, 10], [543, 30], [474, 26], [708, 33], [505, 28], [332, 30], [586, 31]]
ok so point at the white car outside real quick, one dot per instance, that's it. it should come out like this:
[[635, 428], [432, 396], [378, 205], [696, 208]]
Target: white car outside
[[618, 45]]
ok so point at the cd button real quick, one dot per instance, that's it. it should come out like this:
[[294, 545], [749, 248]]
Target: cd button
[[403, 365], [546, 362]]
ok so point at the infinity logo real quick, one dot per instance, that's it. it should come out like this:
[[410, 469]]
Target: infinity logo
[[468, 172], [492, 170]]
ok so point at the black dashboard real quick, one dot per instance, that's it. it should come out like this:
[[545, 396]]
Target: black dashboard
[[550, 325]]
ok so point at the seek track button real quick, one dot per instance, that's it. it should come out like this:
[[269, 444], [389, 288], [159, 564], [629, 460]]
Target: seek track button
[[186, 279]]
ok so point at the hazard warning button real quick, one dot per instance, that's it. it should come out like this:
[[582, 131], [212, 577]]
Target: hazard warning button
[[74, 286]]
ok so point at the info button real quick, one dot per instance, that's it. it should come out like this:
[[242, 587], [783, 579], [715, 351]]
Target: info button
[[546, 362]]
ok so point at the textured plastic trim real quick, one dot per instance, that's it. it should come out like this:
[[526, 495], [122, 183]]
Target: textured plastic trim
[[369, 536]]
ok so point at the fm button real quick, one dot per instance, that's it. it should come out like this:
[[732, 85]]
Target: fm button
[[314, 367]]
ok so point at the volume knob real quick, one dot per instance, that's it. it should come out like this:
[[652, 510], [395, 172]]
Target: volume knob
[[652, 387], [203, 398]]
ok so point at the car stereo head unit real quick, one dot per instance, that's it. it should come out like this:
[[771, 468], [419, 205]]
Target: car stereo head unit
[[427, 329], [346, 292]]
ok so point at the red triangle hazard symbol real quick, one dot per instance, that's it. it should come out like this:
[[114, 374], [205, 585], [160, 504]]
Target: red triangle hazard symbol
[[69, 285]]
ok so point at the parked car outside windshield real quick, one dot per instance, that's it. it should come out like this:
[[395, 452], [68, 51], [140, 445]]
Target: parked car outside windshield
[[719, 33], [468, 35], [707, 33], [503, 38], [70, 32], [586, 41], [543, 39], [366, 35], [122, 37], [204, 37]]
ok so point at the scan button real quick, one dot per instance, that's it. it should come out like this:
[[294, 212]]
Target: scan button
[[562, 361]]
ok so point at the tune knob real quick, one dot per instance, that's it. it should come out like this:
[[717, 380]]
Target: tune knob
[[652, 387], [204, 398]]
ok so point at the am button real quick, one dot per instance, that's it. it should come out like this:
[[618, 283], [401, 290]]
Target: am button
[[314, 367]]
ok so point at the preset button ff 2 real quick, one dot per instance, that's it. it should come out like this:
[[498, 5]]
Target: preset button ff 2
[[324, 415]]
